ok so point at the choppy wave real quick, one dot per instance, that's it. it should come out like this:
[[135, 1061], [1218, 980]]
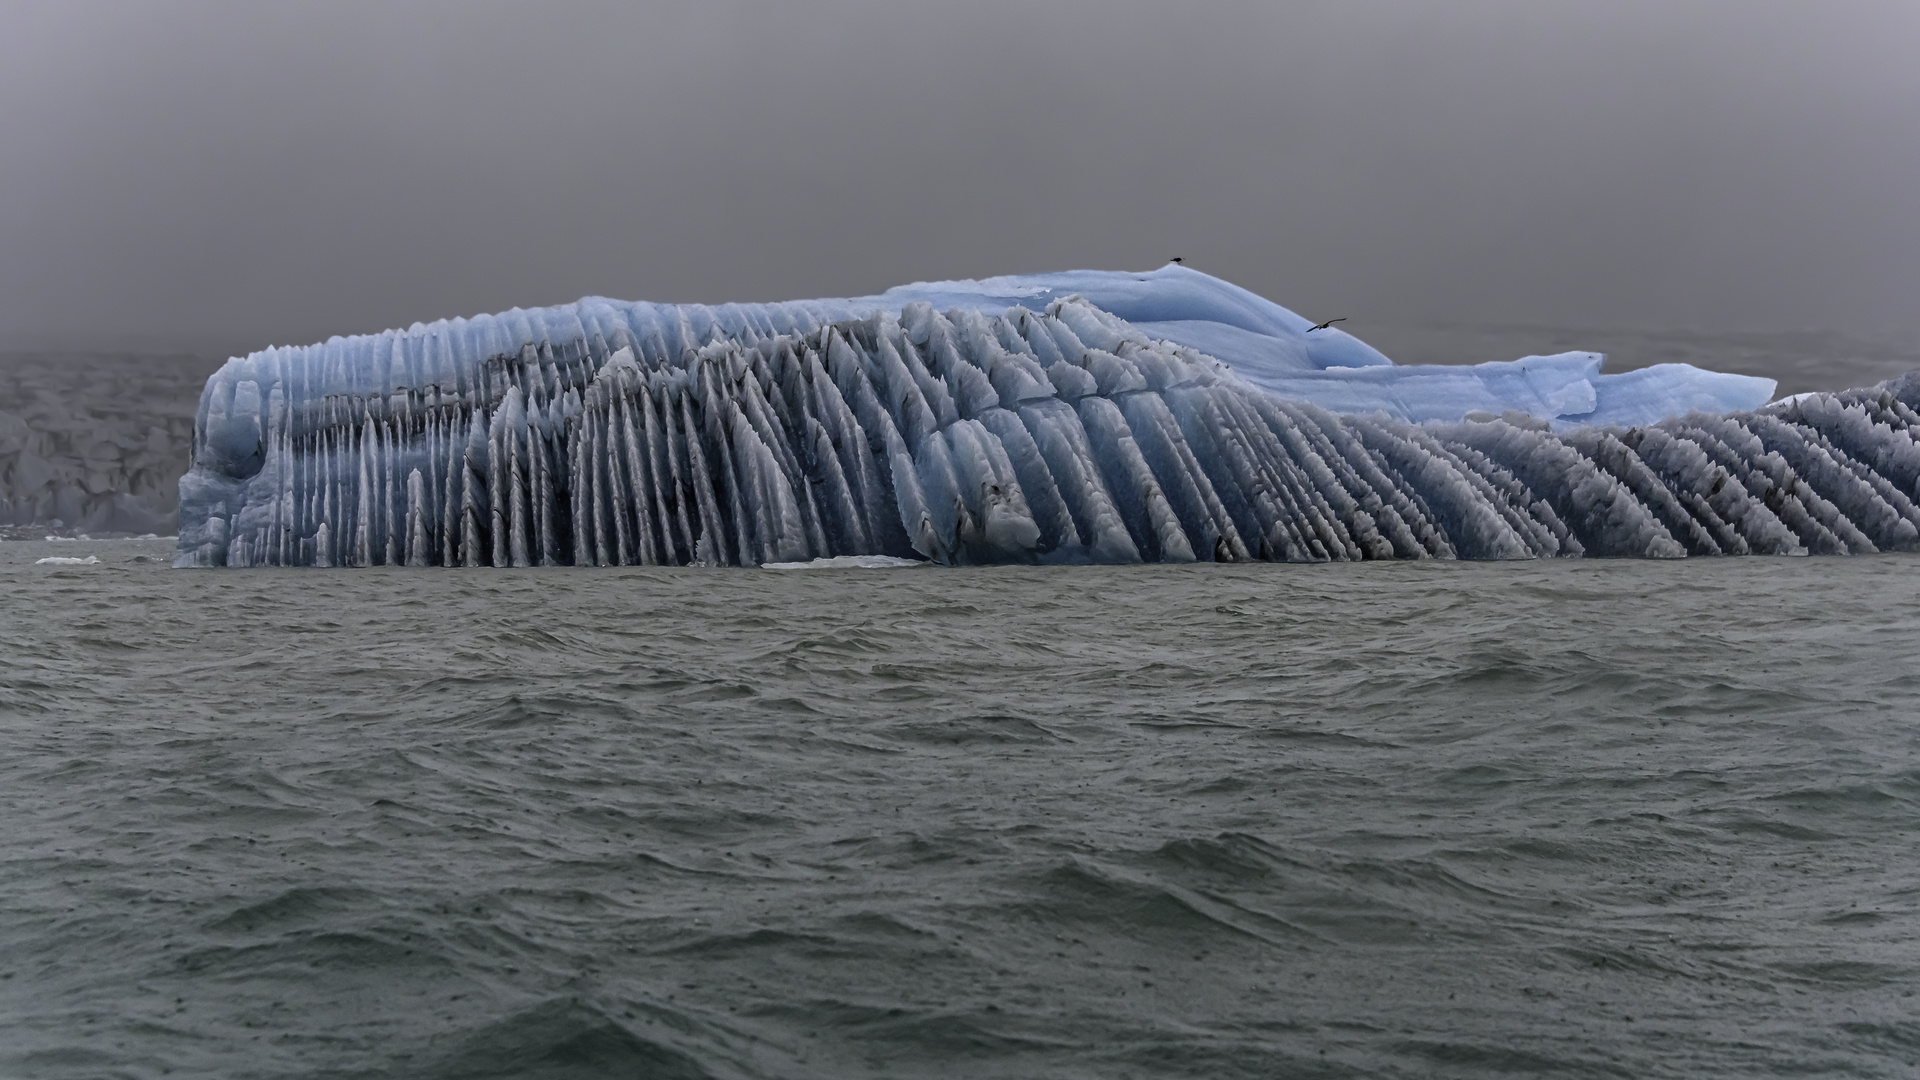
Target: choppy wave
[[1396, 819]]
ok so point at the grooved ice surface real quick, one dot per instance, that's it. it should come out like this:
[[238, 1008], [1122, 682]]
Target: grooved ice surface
[[1086, 416]]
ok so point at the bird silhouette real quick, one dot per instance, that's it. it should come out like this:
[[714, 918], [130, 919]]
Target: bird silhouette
[[1324, 325], [1177, 259]]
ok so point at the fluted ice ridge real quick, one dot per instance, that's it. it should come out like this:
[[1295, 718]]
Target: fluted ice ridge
[[603, 434]]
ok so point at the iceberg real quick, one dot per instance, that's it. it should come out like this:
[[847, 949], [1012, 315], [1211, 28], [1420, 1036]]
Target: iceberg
[[1082, 417]]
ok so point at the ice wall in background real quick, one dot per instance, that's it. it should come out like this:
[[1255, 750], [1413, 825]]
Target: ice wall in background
[[95, 442]]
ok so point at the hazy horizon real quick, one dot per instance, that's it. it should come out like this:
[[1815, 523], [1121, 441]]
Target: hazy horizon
[[208, 176]]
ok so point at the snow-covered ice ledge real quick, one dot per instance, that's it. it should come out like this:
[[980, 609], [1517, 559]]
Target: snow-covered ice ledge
[[1079, 417]]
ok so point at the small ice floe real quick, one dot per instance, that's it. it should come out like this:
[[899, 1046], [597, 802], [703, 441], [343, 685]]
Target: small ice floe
[[845, 562], [64, 560]]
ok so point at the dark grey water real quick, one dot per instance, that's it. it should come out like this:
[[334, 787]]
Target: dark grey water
[[1632, 819]]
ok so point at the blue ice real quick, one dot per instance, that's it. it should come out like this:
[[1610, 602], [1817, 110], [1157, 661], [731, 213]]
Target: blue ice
[[1272, 348]]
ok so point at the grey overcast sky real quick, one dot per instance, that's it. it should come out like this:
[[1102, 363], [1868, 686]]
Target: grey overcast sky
[[178, 172]]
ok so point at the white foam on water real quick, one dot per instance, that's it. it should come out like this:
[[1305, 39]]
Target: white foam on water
[[846, 562]]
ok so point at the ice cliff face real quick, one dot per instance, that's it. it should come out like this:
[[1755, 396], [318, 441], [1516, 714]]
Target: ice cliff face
[[1063, 418], [95, 443]]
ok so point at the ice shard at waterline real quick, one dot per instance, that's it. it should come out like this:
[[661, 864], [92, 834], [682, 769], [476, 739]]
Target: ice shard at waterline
[[1077, 417]]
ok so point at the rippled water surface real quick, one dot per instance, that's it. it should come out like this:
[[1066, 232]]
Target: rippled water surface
[[1575, 818]]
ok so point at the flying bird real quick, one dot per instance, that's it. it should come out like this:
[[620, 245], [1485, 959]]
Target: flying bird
[[1324, 325], [1176, 259]]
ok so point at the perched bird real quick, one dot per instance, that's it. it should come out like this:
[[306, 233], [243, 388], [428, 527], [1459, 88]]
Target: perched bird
[[1176, 259], [1324, 325]]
